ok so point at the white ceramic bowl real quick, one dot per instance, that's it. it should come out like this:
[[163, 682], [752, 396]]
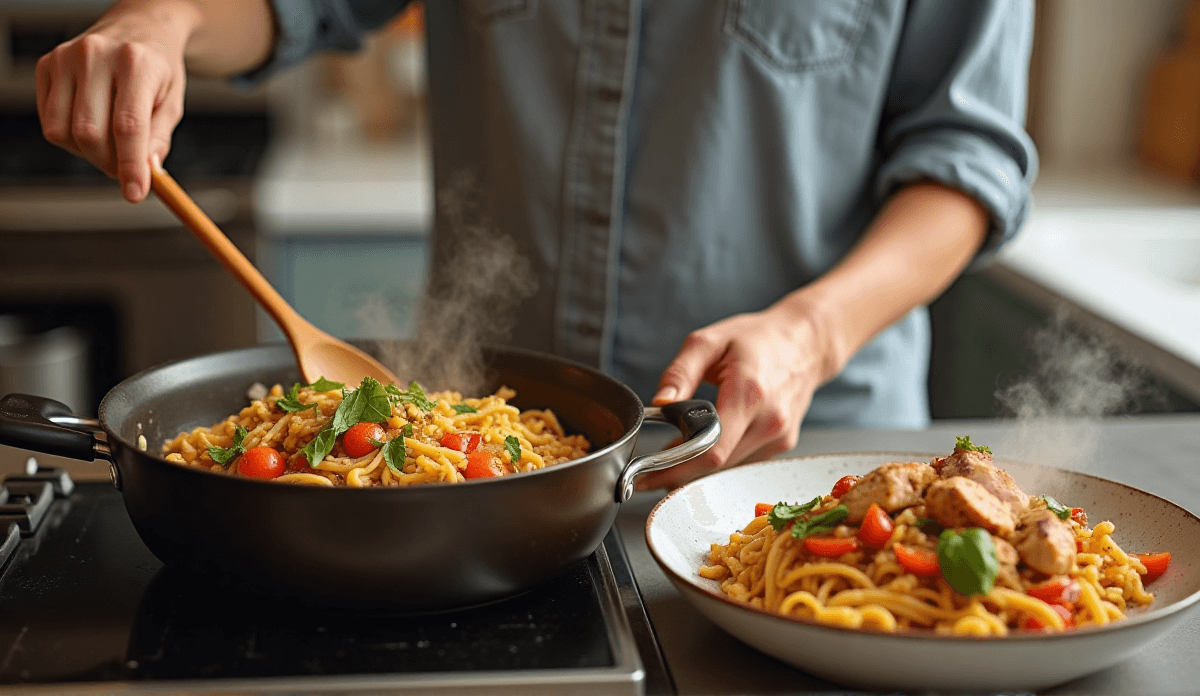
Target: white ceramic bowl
[[681, 528]]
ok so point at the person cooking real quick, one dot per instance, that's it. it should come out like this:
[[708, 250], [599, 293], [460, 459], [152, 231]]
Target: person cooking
[[753, 195]]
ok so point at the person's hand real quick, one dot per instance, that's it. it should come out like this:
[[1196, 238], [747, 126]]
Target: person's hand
[[766, 366], [114, 94]]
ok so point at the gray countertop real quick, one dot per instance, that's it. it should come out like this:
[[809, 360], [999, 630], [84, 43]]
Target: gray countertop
[[1155, 453]]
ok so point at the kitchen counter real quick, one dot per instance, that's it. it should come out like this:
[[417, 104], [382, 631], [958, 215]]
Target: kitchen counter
[[1154, 453]]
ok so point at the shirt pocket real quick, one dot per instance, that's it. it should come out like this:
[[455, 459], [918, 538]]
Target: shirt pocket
[[490, 11], [798, 35]]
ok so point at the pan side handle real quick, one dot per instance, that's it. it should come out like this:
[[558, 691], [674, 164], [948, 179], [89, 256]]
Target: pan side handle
[[37, 423], [696, 420]]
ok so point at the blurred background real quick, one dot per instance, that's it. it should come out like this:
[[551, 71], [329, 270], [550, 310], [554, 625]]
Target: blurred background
[[325, 172]]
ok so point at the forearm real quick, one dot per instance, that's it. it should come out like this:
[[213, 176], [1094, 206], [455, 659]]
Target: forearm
[[919, 243], [218, 37]]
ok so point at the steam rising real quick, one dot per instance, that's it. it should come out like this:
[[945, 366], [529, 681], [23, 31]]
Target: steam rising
[[1075, 378], [470, 299]]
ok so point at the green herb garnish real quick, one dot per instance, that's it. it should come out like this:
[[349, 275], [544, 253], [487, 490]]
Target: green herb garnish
[[824, 522], [783, 513], [224, 455], [290, 402], [513, 446], [964, 443], [325, 385], [395, 453], [414, 395], [319, 447], [463, 408], [367, 404], [968, 560], [408, 430], [1057, 508]]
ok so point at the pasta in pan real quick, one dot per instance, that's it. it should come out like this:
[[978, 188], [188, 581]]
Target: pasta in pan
[[909, 547], [377, 436]]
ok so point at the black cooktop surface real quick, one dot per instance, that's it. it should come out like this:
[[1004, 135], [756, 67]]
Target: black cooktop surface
[[83, 601]]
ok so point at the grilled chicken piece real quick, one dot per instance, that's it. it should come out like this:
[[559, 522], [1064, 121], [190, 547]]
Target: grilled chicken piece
[[978, 467], [1044, 542], [962, 502], [894, 486]]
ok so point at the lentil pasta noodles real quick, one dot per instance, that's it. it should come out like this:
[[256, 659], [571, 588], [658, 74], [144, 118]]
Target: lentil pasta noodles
[[915, 549], [377, 436]]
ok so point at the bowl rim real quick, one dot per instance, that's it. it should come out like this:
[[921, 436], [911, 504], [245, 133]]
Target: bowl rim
[[1130, 623]]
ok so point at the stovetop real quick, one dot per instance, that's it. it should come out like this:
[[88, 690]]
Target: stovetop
[[84, 605]]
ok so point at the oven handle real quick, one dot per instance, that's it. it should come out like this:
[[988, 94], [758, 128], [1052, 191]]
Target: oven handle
[[48, 426]]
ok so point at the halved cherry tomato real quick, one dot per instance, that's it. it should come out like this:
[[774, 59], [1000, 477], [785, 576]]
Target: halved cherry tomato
[[876, 527], [761, 509], [357, 440], [462, 442], [1156, 564], [1033, 624], [917, 561], [483, 464], [262, 462], [1079, 516], [830, 547], [843, 484], [1061, 590]]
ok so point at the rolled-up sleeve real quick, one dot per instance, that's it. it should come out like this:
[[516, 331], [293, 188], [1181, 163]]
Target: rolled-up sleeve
[[955, 108], [305, 27]]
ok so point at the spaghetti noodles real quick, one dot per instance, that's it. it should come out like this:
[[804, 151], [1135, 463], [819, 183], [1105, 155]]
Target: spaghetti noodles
[[902, 580], [422, 438]]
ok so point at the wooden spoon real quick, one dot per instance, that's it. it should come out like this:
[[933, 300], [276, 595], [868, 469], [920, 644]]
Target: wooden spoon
[[317, 353]]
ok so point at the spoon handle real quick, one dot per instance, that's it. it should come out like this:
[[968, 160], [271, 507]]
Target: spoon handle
[[174, 197]]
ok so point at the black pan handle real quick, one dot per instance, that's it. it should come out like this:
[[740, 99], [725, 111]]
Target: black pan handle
[[697, 421], [28, 422]]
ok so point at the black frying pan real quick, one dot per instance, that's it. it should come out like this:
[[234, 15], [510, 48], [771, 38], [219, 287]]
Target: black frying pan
[[417, 548]]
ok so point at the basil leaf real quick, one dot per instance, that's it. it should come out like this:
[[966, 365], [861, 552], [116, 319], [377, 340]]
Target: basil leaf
[[414, 395], [463, 408], [291, 401], [224, 455], [1057, 508], [964, 443], [782, 513], [369, 403], [824, 522], [513, 446], [395, 453], [408, 430], [968, 560], [324, 385], [319, 447]]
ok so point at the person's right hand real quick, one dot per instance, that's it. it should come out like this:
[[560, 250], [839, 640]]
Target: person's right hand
[[114, 94]]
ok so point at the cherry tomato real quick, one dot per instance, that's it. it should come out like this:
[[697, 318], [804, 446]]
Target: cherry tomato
[[1079, 516], [483, 464], [1156, 564], [762, 509], [830, 547], [357, 440], [843, 484], [876, 527], [262, 462], [1060, 590], [917, 561], [461, 442], [1032, 624]]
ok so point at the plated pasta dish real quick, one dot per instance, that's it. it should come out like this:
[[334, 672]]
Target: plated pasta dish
[[375, 435], [952, 545]]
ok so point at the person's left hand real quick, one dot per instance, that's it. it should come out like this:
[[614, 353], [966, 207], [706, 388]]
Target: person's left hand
[[766, 366]]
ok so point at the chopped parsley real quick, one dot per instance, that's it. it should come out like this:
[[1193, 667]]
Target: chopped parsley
[[964, 443], [783, 513], [224, 455], [513, 446]]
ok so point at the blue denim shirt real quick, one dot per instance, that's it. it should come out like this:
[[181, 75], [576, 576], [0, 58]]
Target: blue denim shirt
[[669, 163]]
